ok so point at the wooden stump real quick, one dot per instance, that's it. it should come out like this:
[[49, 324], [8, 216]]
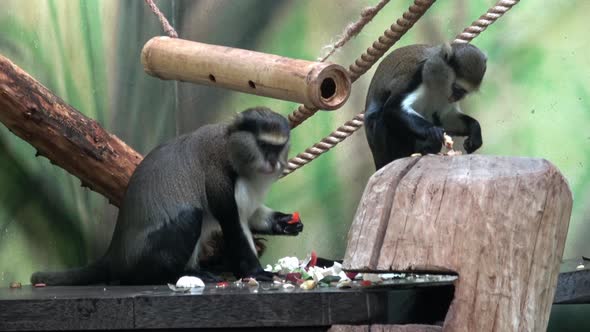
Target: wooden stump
[[499, 222]]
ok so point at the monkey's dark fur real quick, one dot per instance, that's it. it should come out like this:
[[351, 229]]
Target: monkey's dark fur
[[180, 191], [412, 100]]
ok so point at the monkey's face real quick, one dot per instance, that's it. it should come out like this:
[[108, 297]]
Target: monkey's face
[[259, 143], [469, 65]]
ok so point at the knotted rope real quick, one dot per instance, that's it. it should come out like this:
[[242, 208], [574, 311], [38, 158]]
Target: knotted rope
[[165, 24]]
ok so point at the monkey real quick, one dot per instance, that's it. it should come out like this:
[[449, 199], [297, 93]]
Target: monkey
[[185, 191], [413, 98]]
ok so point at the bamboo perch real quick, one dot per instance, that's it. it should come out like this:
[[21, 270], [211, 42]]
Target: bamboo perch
[[65, 136], [315, 84]]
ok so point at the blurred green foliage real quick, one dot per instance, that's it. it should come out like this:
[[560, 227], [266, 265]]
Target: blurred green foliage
[[534, 102]]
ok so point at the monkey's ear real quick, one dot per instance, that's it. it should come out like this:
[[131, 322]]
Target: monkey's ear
[[446, 51]]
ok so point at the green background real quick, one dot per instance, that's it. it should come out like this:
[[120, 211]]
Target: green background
[[534, 102]]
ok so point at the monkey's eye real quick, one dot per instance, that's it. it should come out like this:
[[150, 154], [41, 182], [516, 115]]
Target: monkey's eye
[[458, 91], [270, 148]]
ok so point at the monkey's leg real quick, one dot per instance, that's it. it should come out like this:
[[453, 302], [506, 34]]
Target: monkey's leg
[[165, 252], [237, 238], [267, 221], [388, 140]]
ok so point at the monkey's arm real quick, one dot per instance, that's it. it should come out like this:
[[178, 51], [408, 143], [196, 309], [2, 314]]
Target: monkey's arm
[[267, 221], [400, 114], [457, 123]]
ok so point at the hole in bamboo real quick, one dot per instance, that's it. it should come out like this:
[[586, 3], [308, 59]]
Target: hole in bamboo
[[252, 85], [328, 88], [211, 78]]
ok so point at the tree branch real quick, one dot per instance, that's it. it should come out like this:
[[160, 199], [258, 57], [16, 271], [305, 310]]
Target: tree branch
[[65, 136]]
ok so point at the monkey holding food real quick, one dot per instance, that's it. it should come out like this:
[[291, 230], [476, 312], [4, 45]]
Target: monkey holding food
[[413, 100], [184, 192]]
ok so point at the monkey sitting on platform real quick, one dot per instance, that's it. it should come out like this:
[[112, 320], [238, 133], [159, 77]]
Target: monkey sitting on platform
[[412, 100], [184, 192]]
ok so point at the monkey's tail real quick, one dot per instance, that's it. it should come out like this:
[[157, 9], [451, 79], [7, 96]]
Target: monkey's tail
[[95, 273]]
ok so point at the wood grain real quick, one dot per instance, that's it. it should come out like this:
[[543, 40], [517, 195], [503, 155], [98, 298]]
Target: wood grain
[[65, 136], [499, 222]]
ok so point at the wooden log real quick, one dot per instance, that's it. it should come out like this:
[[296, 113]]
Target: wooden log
[[315, 84], [499, 222], [65, 136]]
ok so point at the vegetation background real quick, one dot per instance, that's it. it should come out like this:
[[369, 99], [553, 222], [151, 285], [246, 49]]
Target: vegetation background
[[534, 102]]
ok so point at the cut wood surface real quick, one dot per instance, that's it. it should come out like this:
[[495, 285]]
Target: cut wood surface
[[499, 222], [65, 136], [318, 85]]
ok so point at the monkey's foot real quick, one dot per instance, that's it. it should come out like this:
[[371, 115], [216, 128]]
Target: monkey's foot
[[262, 275]]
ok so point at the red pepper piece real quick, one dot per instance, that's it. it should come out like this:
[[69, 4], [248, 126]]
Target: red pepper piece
[[366, 283], [351, 275], [293, 277], [295, 219], [314, 259]]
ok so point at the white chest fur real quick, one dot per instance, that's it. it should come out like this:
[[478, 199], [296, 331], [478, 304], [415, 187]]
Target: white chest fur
[[249, 195], [426, 102]]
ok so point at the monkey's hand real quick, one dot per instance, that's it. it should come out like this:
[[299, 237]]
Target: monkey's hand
[[473, 142], [286, 224], [434, 137]]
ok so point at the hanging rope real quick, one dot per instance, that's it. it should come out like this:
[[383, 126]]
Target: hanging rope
[[374, 52], [351, 126], [165, 24], [353, 29], [485, 20]]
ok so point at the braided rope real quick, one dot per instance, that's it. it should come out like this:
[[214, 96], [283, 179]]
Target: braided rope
[[362, 64], [485, 20], [351, 126], [165, 24], [325, 144], [353, 29]]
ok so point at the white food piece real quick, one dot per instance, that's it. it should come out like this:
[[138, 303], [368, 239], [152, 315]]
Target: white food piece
[[189, 282], [252, 282], [343, 276], [448, 141], [415, 154], [344, 283]]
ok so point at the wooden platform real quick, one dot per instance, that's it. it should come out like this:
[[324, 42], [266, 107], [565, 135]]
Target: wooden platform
[[156, 307], [149, 307]]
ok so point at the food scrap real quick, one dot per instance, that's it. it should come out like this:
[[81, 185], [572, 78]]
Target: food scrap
[[222, 284], [307, 285], [295, 219], [448, 141], [15, 284], [252, 282], [39, 285]]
